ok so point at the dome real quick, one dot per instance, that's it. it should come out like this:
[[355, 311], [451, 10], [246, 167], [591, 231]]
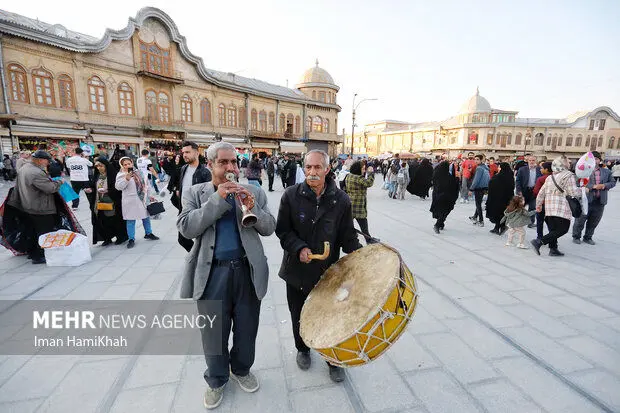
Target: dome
[[476, 104], [316, 76]]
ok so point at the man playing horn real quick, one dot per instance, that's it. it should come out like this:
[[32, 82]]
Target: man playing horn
[[227, 264], [311, 214]]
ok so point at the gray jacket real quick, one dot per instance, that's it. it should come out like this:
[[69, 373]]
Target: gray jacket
[[35, 191], [202, 207], [606, 179]]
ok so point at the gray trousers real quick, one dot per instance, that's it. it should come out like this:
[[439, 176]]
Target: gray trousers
[[595, 213], [229, 282], [465, 188]]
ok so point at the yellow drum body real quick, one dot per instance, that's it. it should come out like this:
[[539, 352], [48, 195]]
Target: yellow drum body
[[360, 307]]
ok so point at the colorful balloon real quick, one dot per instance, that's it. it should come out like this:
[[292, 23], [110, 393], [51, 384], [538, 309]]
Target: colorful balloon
[[585, 166]]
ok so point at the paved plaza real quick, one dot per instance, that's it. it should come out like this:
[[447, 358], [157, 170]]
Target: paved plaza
[[498, 329]]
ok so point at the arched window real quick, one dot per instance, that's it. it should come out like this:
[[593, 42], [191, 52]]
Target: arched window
[[560, 141], [96, 94], [518, 139], [126, 103], [549, 140], [588, 140], [151, 105], [490, 139], [600, 142], [578, 140], [297, 125], [66, 93], [452, 138], [187, 112], [43, 87], [243, 118], [221, 115], [610, 145], [322, 96], [317, 124], [19, 86], [509, 139], [289, 123], [314, 94], [538, 139], [232, 116], [205, 112], [325, 125], [254, 120], [272, 122], [155, 59], [308, 124], [528, 140], [569, 140], [473, 138], [262, 121], [282, 123], [163, 102]]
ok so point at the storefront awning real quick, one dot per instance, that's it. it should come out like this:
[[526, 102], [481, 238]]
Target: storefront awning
[[202, 138], [293, 147], [46, 132], [236, 142], [98, 137], [258, 144]]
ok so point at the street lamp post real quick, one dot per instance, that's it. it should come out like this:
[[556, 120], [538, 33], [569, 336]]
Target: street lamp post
[[353, 124]]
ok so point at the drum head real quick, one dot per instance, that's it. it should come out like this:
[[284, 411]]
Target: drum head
[[350, 293]]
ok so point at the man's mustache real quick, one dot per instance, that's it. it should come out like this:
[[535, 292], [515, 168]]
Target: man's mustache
[[313, 178]]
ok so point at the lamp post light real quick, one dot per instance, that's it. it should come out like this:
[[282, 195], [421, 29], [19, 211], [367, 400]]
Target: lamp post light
[[353, 124]]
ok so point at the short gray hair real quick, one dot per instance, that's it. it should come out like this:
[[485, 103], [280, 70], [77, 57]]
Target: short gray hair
[[322, 153], [213, 150]]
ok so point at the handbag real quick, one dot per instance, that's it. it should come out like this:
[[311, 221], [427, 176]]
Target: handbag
[[105, 206], [155, 208], [573, 203]]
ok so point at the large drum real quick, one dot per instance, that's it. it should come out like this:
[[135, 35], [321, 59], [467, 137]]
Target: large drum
[[360, 307]]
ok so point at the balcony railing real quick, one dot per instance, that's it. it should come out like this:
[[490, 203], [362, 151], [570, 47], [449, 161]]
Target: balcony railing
[[156, 123], [173, 76]]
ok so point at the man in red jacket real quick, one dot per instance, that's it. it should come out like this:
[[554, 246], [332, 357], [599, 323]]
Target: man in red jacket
[[493, 168], [468, 168], [545, 169]]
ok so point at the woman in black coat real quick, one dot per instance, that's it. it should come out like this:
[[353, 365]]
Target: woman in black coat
[[107, 224], [445, 194], [501, 191], [421, 180]]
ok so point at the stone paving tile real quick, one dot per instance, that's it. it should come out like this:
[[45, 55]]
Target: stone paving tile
[[491, 313], [584, 307], [550, 326], [317, 375], [542, 303], [603, 385], [26, 406], [491, 293], [328, 399], [458, 358], [380, 378], [100, 377], [486, 343], [542, 387], [152, 399], [595, 329], [501, 396], [153, 370], [267, 342], [268, 398], [407, 355], [438, 306], [441, 393], [595, 352]]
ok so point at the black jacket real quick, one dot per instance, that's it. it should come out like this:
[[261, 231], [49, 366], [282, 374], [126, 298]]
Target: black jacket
[[304, 222], [201, 175]]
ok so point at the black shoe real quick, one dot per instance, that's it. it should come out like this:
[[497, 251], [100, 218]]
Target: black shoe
[[151, 236], [536, 243], [303, 360], [589, 241], [39, 260], [106, 243], [336, 374], [131, 243], [576, 240], [271, 190], [554, 252], [473, 219], [502, 231], [442, 227], [436, 229], [531, 225], [494, 231], [120, 241]]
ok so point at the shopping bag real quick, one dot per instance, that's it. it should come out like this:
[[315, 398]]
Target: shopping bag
[[65, 248], [67, 193]]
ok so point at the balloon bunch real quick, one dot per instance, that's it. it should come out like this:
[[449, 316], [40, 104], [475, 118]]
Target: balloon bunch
[[583, 170]]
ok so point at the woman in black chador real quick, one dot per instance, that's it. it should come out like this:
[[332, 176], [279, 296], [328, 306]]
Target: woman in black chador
[[421, 180], [501, 191], [107, 213], [445, 194]]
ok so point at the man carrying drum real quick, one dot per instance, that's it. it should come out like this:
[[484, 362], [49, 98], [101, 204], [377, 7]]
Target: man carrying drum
[[312, 213]]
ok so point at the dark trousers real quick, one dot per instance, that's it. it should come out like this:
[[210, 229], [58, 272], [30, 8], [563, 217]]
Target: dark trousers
[[530, 201], [230, 283], [295, 299], [590, 221], [270, 177], [441, 220], [41, 224], [77, 187], [557, 228], [363, 223], [154, 183], [540, 223], [478, 195]]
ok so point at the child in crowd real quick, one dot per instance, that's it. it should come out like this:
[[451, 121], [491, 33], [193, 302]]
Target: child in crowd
[[516, 217]]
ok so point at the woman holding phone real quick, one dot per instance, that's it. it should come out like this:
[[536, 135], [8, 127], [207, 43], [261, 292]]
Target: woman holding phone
[[107, 210], [135, 194]]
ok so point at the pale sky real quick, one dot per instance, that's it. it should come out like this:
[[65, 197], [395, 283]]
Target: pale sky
[[421, 59]]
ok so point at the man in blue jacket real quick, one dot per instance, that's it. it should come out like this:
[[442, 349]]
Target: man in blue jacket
[[478, 186], [599, 184], [525, 183]]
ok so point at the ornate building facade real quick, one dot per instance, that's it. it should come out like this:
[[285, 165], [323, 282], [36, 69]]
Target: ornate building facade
[[482, 129], [142, 87]]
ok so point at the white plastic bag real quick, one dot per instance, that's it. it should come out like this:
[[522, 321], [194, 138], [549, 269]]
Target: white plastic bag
[[73, 255]]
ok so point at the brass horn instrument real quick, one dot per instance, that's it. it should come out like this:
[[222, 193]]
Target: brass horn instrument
[[248, 219]]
